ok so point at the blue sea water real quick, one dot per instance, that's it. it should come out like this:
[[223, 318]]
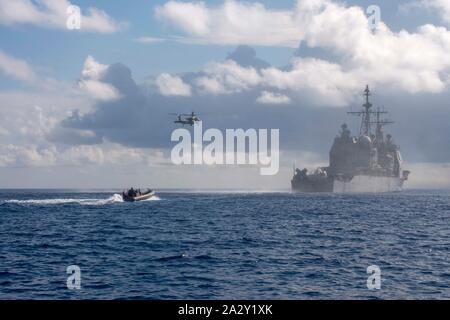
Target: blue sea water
[[224, 245]]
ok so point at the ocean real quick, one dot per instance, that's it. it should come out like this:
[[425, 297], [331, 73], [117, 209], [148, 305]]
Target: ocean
[[224, 245]]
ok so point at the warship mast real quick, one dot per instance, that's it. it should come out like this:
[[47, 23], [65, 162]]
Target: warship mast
[[366, 120], [365, 129]]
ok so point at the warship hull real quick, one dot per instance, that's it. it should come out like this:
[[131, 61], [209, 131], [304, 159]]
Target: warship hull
[[307, 186], [366, 184], [357, 184]]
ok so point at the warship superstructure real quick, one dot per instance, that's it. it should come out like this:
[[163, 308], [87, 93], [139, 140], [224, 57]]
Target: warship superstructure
[[370, 162]]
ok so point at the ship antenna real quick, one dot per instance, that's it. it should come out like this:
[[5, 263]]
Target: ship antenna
[[365, 114], [366, 117], [380, 123]]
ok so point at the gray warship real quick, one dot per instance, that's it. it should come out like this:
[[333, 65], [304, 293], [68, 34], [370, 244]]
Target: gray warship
[[370, 162]]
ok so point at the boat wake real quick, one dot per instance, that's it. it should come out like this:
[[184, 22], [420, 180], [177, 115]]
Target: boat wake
[[154, 198], [116, 198]]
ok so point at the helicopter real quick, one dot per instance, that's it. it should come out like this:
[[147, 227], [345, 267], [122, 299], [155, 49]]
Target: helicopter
[[189, 118]]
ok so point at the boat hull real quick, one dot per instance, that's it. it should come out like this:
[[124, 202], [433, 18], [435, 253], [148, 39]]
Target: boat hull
[[142, 197]]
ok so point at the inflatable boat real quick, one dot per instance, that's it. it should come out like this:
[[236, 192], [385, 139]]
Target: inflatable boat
[[133, 195]]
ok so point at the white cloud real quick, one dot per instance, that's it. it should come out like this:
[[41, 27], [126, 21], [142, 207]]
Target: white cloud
[[191, 17], [227, 77], [413, 62], [211, 85], [53, 14], [16, 68], [31, 155], [268, 97], [28, 118], [169, 85], [328, 83], [99, 90], [442, 7], [232, 23], [91, 81], [93, 69], [149, 40], [13, 156]]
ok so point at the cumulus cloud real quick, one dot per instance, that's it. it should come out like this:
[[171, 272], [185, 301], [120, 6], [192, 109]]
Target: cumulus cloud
[[211, 85], [127, 120], [410, 61], [111, 154], [442, 7], [53, 14], [31, 134], [93, 69], [191, 17], [268, 97], [99, 90], [18, 156], [16, 68], [232, 23], [91, 81], [326, 83], [169, 85], [29, 118], [106, 154], [227, 77]]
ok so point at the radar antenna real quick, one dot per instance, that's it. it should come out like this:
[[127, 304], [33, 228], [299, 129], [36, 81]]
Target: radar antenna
[[366, 120], [365, 114]]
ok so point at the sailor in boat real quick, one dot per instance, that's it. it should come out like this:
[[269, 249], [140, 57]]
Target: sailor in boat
[[136, 194]]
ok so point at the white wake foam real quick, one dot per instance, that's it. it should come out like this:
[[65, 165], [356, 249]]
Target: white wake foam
[[113, 199], [154, 198], [116, 198]]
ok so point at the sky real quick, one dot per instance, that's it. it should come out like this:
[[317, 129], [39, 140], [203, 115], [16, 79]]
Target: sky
[[89, 108]]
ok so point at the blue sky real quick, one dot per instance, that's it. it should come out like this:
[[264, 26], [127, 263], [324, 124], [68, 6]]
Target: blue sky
[[99, 95]]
